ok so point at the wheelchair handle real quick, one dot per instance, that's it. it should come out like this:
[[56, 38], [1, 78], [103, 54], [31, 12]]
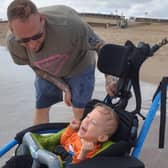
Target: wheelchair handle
[[153, 49]]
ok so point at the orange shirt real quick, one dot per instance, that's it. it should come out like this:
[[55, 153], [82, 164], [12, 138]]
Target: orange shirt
[[72, 143]]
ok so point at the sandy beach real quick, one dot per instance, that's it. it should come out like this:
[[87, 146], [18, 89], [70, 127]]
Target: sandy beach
[[17, 91]]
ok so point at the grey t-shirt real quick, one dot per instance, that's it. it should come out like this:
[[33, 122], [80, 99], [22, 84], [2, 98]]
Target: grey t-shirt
[[69, 47]]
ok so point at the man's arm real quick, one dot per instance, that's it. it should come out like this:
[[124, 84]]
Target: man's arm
[[56, 81], [94, 42], [60, 83], [19, 56], [111, 84]]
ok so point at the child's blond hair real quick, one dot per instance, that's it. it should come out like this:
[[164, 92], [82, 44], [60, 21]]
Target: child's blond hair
[[111, 118]]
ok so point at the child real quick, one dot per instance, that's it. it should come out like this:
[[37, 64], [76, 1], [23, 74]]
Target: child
[[81, 140], [84, 139]]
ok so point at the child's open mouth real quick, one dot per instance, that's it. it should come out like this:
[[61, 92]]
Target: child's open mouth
[[82, 131]]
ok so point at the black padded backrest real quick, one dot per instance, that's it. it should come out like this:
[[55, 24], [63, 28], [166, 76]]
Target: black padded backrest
[[113, 59], [127, 130]]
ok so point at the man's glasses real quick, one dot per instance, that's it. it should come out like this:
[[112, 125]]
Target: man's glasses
[[28, 39]]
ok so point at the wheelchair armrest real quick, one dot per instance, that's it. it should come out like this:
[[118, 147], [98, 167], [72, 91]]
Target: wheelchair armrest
[[39, 155]]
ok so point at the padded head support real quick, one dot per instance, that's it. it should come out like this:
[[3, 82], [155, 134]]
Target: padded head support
[[113, 59], [119, 60]]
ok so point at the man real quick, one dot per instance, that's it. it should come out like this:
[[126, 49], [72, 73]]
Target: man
[[60, 48]]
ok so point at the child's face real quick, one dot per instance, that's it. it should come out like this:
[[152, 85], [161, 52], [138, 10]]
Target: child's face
[[92, 127]]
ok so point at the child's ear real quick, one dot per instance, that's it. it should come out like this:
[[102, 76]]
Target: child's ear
[[103, 138]]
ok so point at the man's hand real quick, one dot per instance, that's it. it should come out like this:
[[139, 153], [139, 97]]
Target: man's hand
[[111, 85], [86, 147], [60, 83], [75, 124]]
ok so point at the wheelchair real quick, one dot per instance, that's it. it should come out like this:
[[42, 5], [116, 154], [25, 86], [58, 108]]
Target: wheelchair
[[36, 144]]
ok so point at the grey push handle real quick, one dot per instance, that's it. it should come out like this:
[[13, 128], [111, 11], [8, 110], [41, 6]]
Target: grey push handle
[[40, 156]]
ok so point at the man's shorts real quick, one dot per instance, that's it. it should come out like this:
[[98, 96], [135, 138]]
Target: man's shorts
[[81, 86]]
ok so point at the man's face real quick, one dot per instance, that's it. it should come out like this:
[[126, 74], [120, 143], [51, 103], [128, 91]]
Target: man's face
[[92, 127], [29, 33]]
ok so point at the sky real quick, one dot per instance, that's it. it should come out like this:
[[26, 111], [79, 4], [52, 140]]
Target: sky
[[128, 8]]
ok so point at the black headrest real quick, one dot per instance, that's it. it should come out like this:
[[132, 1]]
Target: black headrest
[[113, 59], [118, 60]]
